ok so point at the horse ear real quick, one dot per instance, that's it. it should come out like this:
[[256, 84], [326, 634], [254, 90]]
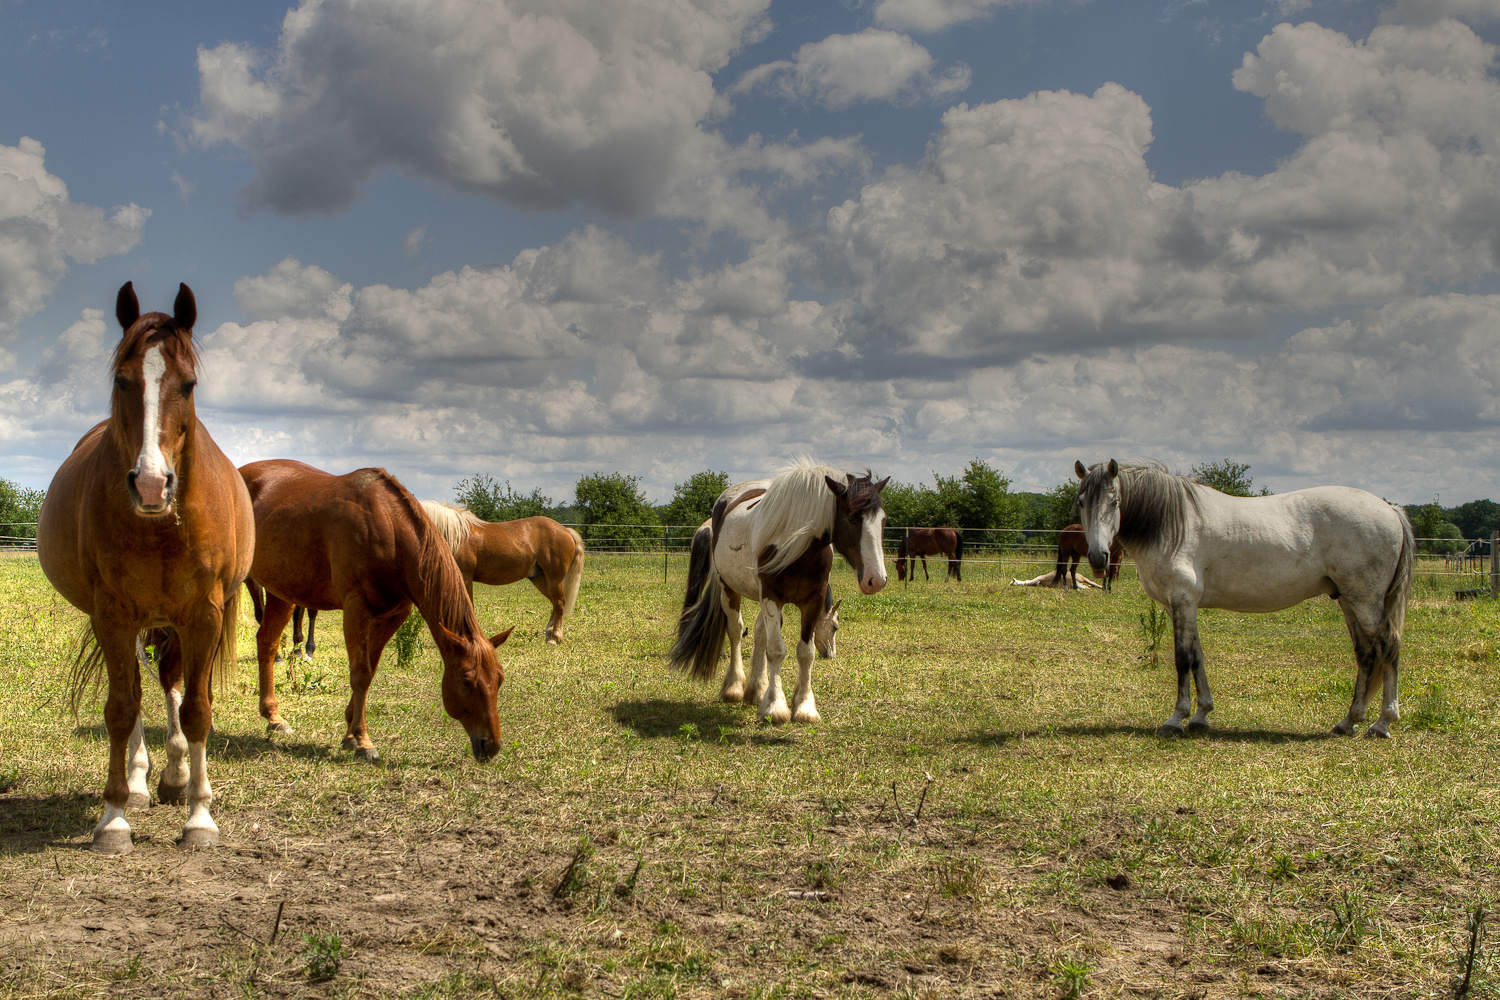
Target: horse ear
[[1082, 472], [881, 485], [499, 640], [839, 489], [1114, 469], [836, 605], [127, 306], [185, 309]]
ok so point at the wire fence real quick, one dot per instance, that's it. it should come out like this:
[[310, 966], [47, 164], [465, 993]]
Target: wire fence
[[995, 555]]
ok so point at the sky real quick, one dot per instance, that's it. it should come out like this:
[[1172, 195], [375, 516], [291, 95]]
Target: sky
[[540, 239]]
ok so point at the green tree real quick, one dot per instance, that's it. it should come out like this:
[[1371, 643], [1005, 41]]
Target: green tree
[[1228, 477], [1477, 518], [490, 501], [693, 500], [19, 508], [1430, 522], [1062, 504], [614, 510]]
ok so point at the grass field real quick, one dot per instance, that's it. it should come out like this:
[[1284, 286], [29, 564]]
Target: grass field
[[986, 811]]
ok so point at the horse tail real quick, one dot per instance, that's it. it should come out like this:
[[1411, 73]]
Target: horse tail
[[701, 631], [1062, 561], [699, 562], [574, 576], [226, 644], [1399, 589]]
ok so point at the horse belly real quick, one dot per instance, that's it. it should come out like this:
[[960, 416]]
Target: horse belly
[[1263, 591]]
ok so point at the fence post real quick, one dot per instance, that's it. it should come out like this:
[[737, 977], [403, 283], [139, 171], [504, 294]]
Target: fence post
[[664, 530], [1494, 564]]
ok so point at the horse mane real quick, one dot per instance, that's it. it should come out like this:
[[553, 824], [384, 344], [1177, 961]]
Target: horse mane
[[455, 524], [153, 328], [1154, 504], [436, 569], [797, 508]]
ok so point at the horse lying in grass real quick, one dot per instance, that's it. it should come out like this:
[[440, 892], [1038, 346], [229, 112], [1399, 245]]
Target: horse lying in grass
[[1195, 547]]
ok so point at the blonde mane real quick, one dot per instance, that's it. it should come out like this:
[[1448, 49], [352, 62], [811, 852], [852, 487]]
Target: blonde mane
[[798, 507], [453, 523]]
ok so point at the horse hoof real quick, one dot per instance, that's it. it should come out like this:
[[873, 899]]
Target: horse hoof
[[367, 753], [112, 842], [1166, 730], [808, 718], [1197, 727], [1342, 729], [733, 696], [171, 795], [779, 716], [278, 726], [138, 800], [1376, 734], [198, 837]]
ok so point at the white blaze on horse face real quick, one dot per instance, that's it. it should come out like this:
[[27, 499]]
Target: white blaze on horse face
[[872, 554], [151, 469], [1101, 522]]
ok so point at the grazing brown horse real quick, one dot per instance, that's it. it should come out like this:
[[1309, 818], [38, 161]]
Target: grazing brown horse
[[920, 543], [147, 526], [773, 541], [538, 549], [362, 544], [1073, 545]]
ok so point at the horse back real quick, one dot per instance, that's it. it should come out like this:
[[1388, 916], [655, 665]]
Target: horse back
[[507, 551]]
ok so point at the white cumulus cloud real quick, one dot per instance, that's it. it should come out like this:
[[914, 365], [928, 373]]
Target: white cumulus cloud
[[841, 70]]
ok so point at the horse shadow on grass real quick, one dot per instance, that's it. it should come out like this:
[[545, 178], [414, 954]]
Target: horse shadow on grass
[[222, 746], [715, 722], [1262, 736]]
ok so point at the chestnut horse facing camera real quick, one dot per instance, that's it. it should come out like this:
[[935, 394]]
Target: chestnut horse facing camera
[[361, 544], [148, 526]]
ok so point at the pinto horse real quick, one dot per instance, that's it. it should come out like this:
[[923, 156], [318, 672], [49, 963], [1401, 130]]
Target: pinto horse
[[825, 632], [538, 549], [147, 526], [773, 542], [1072, 546], [1195, 547], [362, 544], [920, 543]]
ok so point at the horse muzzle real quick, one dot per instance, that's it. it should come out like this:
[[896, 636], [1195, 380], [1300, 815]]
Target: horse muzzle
[[152, 493], [1098, 560], [484, 748]]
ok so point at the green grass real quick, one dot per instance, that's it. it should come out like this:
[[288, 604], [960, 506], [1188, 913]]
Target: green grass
[[634, 837]]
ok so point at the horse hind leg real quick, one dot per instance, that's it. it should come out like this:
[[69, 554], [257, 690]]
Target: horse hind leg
[[733, 690], [1370, 654]]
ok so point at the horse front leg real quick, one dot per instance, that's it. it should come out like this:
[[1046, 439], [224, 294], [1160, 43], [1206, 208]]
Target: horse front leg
[[172, 786], [366, 636], [122, 718], [804, 708], [1188, 654], [196, 644], [773, 706]]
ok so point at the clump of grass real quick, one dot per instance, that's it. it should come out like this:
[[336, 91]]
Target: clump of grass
[[324, 956], [407, 641], [1434, 710], [1070, 975], [1154, 626]]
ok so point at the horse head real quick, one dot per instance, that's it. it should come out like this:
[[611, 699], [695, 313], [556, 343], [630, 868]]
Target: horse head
[[859, 527], [471, 686], [151, 413], [826, 632], [1099, 509]]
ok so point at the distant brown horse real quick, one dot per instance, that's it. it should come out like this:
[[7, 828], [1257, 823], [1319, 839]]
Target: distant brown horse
[[362, 544], [538, 549], [920, 543], [147, 526], [1072, 545]]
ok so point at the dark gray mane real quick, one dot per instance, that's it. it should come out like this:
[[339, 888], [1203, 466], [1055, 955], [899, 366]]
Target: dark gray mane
[[1154, 504]]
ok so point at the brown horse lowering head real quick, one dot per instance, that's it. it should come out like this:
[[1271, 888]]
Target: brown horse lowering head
[[152, 418], [470, 692]]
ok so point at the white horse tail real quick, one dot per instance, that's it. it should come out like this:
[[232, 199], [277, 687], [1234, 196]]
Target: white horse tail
[[701, 630], [574, 576]]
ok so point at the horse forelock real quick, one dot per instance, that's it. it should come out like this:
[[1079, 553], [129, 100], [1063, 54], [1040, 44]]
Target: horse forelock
[[864, 495], [155, 328]]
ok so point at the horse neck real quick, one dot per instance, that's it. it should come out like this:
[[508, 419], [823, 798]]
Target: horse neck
[[433, 580], [1154, 509]]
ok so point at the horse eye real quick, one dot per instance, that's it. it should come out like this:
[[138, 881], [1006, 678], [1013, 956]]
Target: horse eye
[[187, 387], [122, 383]]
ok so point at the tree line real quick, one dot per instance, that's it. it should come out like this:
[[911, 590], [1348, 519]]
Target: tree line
[[612, 508]]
